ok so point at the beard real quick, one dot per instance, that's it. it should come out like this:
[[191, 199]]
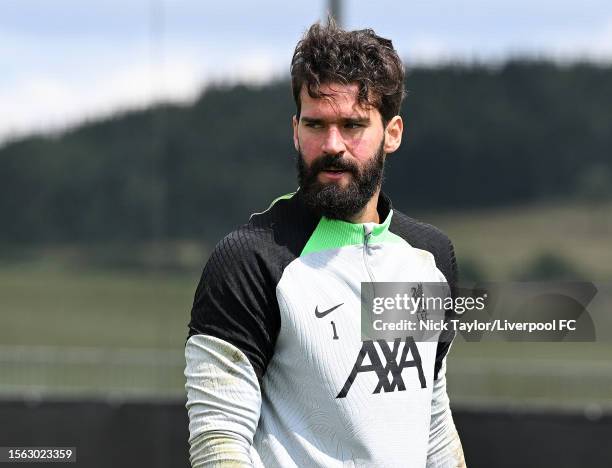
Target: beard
[[330, 199]]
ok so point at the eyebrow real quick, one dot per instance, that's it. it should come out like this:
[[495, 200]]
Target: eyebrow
[[311, 120], [354, 120]]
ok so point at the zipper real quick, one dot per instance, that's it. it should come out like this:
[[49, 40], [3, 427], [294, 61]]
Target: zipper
[[368, 297], [367, 233]]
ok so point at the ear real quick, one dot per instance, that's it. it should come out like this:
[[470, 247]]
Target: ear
[[296, 143], [393, 134]]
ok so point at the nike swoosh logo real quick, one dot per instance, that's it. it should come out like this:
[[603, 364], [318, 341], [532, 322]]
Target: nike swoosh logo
[[323, 313]]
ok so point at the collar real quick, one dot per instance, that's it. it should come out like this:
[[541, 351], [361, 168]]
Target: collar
[[335, 233]]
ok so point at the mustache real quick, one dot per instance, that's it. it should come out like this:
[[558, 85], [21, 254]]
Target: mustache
[[333, 162]]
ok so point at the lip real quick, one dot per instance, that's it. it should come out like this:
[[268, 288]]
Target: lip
[[333, 175]]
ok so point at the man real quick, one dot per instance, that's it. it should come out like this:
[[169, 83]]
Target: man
[[277, 373]]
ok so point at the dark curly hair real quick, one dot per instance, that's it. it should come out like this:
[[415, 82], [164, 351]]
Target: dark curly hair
[[329, 54]]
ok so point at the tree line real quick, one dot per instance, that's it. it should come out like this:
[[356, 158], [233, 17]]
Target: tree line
[[475, 135]]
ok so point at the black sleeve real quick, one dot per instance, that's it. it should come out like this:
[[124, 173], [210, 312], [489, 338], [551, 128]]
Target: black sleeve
[[235, 299], [449, 262]]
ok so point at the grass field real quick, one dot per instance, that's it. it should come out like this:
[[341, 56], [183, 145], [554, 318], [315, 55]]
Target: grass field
[[81, 330], [503, 241]]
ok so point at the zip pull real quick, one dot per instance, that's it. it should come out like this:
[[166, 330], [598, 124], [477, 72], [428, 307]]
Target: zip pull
[[367, 232]]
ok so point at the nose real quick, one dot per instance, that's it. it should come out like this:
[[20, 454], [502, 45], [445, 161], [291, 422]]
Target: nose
[[333, 143]]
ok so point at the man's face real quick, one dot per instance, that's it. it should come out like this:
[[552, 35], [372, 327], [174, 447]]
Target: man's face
[[341, 150]]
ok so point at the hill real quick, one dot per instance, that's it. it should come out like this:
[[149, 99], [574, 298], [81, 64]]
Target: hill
[[475, 136]]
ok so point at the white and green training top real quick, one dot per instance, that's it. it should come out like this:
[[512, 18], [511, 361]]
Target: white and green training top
[[277, 373]]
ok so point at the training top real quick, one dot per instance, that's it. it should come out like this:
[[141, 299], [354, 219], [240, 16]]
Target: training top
[[277, 374]]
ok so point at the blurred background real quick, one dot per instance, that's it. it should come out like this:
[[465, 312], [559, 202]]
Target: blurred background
[[134, 135]]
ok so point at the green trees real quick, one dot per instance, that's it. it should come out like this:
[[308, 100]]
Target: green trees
[[474, 136]]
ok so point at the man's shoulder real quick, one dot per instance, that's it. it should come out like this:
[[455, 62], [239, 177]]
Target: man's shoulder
[[427, 237], [277, 234], [418, 233]]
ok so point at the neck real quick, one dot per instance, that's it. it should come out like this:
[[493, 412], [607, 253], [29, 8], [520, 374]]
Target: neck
[[369, 213]]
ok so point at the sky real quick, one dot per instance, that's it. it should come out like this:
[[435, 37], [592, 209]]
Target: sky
[[64, 61]]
